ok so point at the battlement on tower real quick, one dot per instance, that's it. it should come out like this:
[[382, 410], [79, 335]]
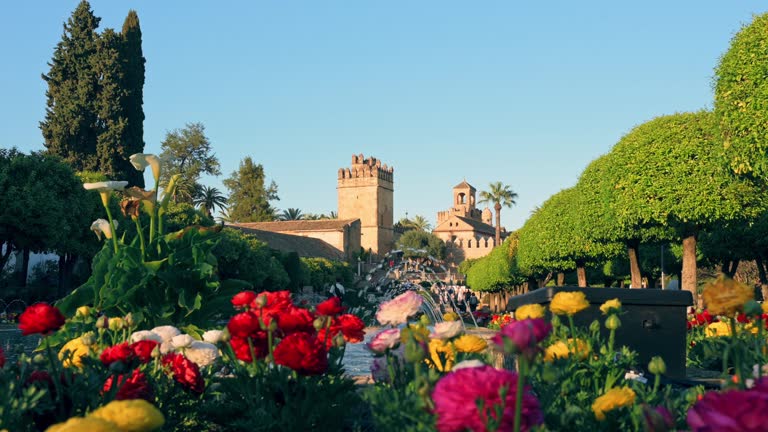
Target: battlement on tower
[[367, 168]]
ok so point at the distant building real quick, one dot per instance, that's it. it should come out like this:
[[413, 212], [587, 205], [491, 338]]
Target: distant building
[[467, 231], [327, 238], [365, 192]]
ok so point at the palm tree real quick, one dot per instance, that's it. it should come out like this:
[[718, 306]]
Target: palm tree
[[420, 223], [209, 198], [291, 214], [500, 195]]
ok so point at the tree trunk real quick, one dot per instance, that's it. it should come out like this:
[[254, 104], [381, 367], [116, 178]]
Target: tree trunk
[[560, 279], [634, 264], [497, 207], [581, 273], [730, 267], [5, 255], [688, 281], [763, 278], [23, 272]]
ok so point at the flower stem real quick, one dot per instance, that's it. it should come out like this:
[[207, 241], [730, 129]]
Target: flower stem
[[111, 223], [141, 237], [522, 370], [611, 341]]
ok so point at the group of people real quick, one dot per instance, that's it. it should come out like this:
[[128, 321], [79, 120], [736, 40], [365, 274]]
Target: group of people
[[456, 297]]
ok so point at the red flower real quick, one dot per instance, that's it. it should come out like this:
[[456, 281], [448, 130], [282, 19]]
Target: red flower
[[276, 301], [184, 372], [330, 307], [143, 350], [40, 318], [120, 352], [523, 335], [303, 353], [242, 350], [2, 357], [245, 323], [704, 318], [134, 387], [351, 327], [742, 318], [294, 320], [733, 410], [243, 299]]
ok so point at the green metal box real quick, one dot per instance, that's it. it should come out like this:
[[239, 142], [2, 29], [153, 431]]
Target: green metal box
[[652, 320]]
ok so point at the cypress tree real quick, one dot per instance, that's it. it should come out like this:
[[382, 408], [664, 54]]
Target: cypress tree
[[69, 128], [111, 125], [132, 60]]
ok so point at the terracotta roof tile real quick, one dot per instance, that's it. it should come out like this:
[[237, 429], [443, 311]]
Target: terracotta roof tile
[[298, 225]]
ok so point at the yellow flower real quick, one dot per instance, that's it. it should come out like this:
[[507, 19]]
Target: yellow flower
[[718, 328], [451, 316], [616, 397], [568, 303], [439, 350], [77, 349], [470, 344], [765, 307], [135, 415], [610, 305], [83, 311], [726, 296], [562, 349], [80, 424], [415, 331], [529, 311], [116, 324]]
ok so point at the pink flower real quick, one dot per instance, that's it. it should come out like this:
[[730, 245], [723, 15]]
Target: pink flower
[[397, 310], [447, 330], [524, 335], [384, 341], [456, 394], [731, 411]]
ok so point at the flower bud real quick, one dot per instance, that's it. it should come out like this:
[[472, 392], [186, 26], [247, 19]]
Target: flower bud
[[260, 301], [594, 327], [272, 325], [424, 320], [612, 322], [319, 323], [338, 341], [156, 352], [129, 321], [657, 366], [83, 312], [38, 359], [115, 324], [102, 322], [88, 338], [225, 336], [555, 321]]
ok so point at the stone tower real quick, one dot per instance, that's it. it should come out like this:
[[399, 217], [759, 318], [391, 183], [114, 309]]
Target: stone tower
[[366, 193]]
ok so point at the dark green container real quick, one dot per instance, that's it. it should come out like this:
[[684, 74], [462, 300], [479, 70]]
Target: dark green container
[[652, 320]]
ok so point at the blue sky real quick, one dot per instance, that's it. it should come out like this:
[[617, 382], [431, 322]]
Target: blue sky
[[442, 90]]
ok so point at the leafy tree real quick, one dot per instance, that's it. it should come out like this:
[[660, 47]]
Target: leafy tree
[[669, 173], [209, 198], [70, 117], [554, 239], [92, 119], [501, 196], [187, 152], [248, 196], [416, 243], [244, 257], [291, 214], [741, 92], [132, 62], [497, 270]]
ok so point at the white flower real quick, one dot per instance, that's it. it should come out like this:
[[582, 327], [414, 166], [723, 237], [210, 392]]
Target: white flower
[[632, 375], [145, 335], [202, 353], [106, 186], [182, 341], [468, 364], [167, 347], [101, 226], [141, 160], [166, 332], [447, 330], [397, 310], [213, 336]]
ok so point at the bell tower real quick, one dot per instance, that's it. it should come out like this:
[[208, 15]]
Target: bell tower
[[464, 199], [365, 192]]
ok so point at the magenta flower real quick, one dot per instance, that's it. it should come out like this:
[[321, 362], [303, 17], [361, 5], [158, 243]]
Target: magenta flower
[[523, 336], [731, 411], [455, 397], [399, 309], [384, 341]]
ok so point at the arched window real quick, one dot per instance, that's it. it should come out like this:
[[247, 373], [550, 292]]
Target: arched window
[[461, 198], [469, 244]]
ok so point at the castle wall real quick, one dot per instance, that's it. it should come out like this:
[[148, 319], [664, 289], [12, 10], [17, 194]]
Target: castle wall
[[467, 245]]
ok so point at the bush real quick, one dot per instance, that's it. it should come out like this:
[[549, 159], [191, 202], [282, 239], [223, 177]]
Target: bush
[[244, 257]]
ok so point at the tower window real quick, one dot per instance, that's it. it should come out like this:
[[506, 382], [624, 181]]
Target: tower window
[[462, 199]]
